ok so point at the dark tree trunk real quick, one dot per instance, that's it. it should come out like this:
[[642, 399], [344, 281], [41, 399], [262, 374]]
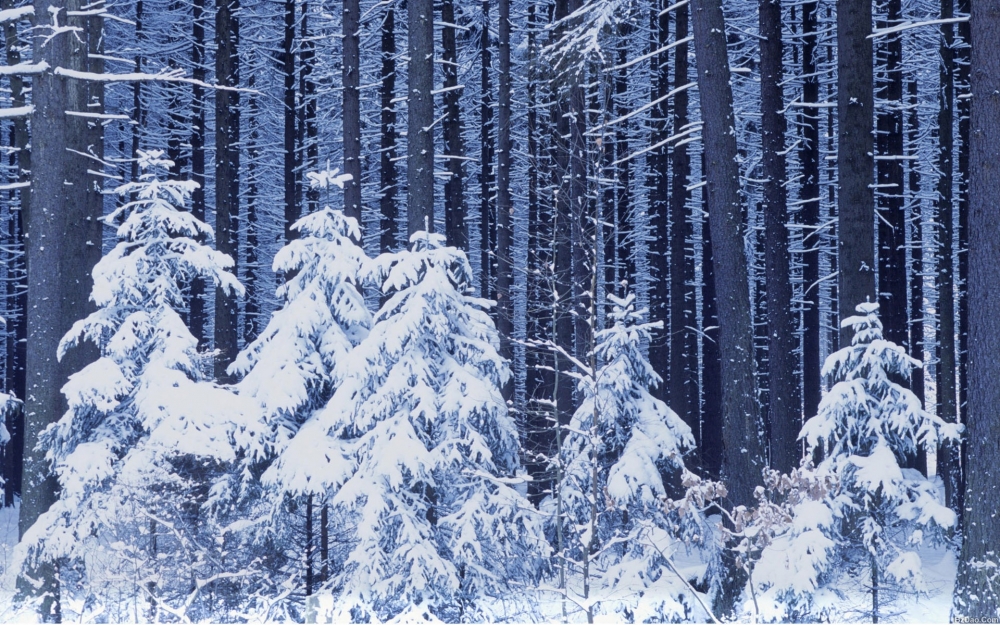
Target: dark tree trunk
[[623, 246], [17, 269], [948, 461], [388, 209], [809, 193], [505, 209], [784, 407], [63, 224], [563, 91], [916, 339], [711, 410], [227, 174], [454, 150], [892, 224], [290, 152], [977, 595], [661, 245], [420, 118], [487, 218], [352, 108], [855, 166], [252, 267], [743, 453], [962, 78], [308, 131], [683, 351], [197, 319]]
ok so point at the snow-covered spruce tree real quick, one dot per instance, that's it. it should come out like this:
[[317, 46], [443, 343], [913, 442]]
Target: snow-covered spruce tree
[[290, 371], [145, 431], [419, 452], [622, 454], [867, 425]]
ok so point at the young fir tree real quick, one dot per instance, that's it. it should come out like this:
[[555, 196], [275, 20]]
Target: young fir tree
[[867, 425], [419, 453], [290, 369], [145, 430], [621, 456]]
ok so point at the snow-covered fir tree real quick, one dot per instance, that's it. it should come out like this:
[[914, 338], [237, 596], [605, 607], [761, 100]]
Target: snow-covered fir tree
[[420, 454], [867, 425], [291, 368], [145, 430], [620, 454]]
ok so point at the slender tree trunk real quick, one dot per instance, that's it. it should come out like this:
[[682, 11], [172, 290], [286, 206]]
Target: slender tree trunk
[[977, 595], [252, 267], [487, 218], [683, 351], [916, 342], [290, 152], [892, 223], [17, 270], [855, 165], [662, 247], [711, 411], [352, 108], [197, 319], [743, 454], [964, 98], [454, 201], [420, 118], [308, 131], [505, 208], [388, 209], [785, 405], [227, 174], [809, 193], [63, 222]]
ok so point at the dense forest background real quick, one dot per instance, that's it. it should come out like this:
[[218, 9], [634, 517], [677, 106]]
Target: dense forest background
[[710, 195]]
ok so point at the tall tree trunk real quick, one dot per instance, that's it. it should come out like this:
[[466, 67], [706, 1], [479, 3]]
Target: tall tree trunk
[[352, 108], [662, 247], [977, 595], [892, 222], [855, 166], [505, 208], [916, 339], [197, 319], [964, 97], [711, 411], [252, 267], [785, 406], [420, 117], [683, 351], [308, 131], [743, 454], [948, 461], [17, 270], [227, 174], [63, 225], [809, 192], [487, 218], [388, 208], [288, 138], [454, 201]]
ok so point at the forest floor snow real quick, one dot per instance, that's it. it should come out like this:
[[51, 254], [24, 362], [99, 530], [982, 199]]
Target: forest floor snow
[[851, 606]]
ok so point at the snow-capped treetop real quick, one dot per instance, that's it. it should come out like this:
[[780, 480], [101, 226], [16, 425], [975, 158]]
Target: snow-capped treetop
[[291, 367]]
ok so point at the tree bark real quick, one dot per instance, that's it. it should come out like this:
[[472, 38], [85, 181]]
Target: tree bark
[[977, 595], [63, 245], [809, 193], [388, 209], [420, 118], [661, 245], [487, 217], [743, 454], [288, 139], [454, 201], [227, 174], [855, 165], [505, 208], [784, 407], [352, 108]]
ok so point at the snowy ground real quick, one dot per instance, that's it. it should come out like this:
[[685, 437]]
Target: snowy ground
[[932, 607]]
